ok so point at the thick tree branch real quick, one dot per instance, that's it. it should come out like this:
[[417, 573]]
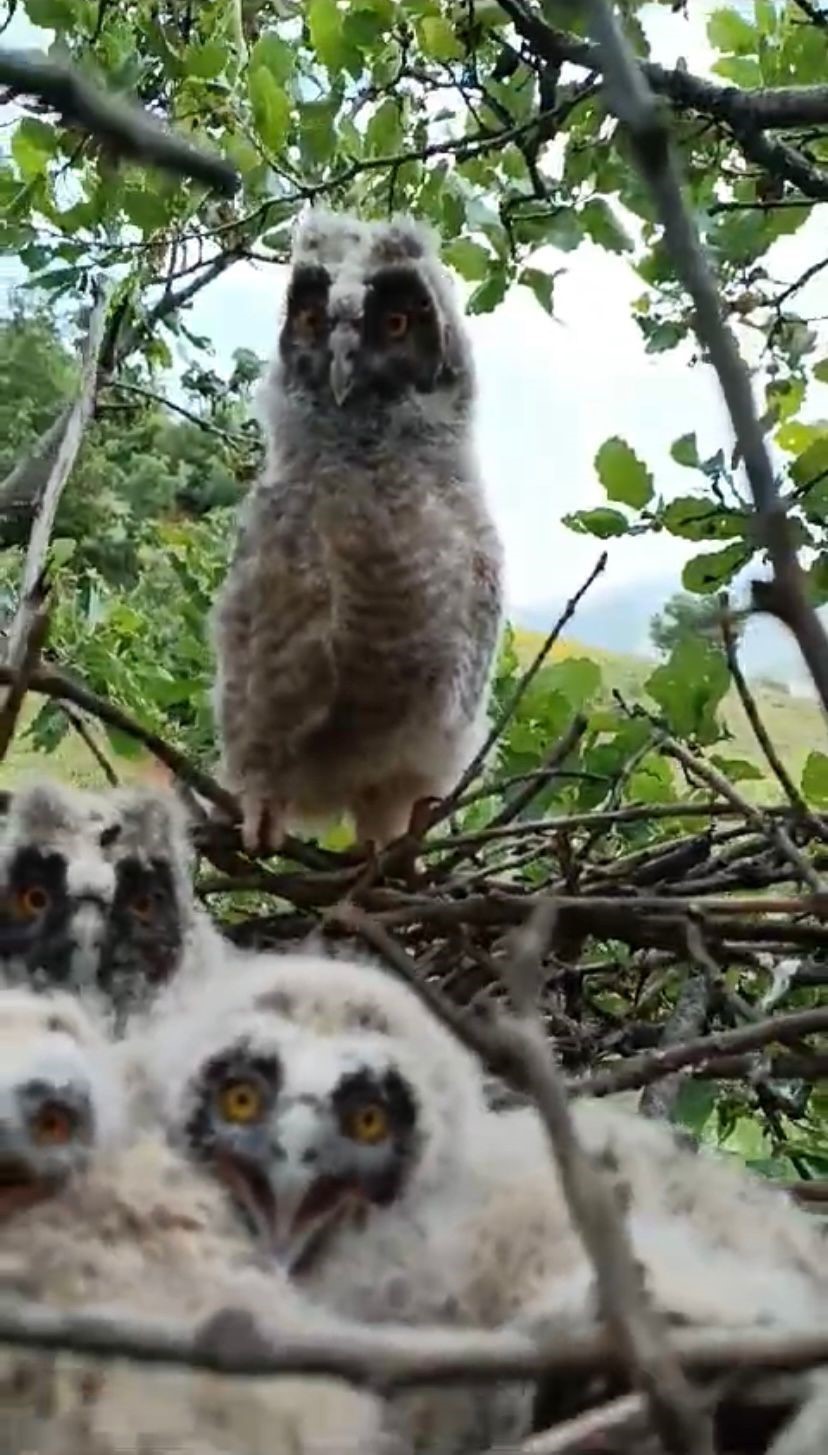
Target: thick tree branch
[[125, 128]]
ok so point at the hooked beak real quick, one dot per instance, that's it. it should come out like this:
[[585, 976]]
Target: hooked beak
[[344, 344], [87, 930]]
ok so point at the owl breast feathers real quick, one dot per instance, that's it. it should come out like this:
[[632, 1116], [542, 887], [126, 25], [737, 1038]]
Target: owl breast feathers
[[357, 628]]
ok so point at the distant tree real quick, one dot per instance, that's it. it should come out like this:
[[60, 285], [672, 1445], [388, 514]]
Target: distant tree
[[686, 616]]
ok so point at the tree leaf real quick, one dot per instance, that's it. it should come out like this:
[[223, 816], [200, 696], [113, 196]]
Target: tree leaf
[[821, 371], [699, 518], [541, 284], [271, 108], [603, 226], [729, 31], [578, 678], [704, 574], [145, 208], [623, 476], [602, 522], [384, 132], [33, 143], [271, 52], [470, 259], [325, 28], [737, 770], [815, 779], [438, 39], [685, 451], [694, 1104], [489, 294], [689, 688]]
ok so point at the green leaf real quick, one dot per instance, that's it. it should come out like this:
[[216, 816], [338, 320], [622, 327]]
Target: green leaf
[[562, 230], [623, 476], [737, 770], [271, 108], [123, 744], [705, 574], [490, 293], [821, 371], [207, 61], [32, 145], [602, 522], [438, 40], [318, 136], [272, 52], [685, 451], [811, 464], [603, 226], [469, 259], [577, 678], [384, 132], [815, 779], [652, 781], [729, 31], [784, 396], [52, 14], [325, 27], [764, 12], [699, 518], [61, 550], [542, 285], [694, 1104], [794, 436], [145, 208], [741, 70], [689, 688]]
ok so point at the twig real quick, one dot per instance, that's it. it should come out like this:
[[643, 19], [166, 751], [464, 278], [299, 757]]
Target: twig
[[556, 755], [388, 1357], [639, 1071], [125, 128], [32, 626], [688, 1018], [761, 733], [633, 103], [449, 803], [638, 1330], [626, 1415], [86, 737]]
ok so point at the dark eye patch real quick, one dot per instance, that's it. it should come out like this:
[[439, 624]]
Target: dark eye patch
[[396, 1096], [144, 933], [399, 290], [234, 1062], [38, 938]]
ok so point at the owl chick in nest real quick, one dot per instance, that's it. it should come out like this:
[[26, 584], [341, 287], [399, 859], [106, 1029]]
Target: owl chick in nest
[[96, 895], [92, 1219], [352, 1132], [357, 628]]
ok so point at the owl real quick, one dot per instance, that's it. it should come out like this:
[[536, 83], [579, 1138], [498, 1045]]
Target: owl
[[96, 1216], [356, 631], [96, 894], [353, 1135]]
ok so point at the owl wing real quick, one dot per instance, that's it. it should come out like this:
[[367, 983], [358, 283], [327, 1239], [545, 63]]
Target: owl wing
[[276, 677], [485, 606]]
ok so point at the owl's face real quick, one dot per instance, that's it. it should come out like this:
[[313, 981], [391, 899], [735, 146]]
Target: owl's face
[[359, 346], [83, 905], [56, 1100], [304, 1132]]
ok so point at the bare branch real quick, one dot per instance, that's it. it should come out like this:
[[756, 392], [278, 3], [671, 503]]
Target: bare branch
[[125, 128], [31, 626]]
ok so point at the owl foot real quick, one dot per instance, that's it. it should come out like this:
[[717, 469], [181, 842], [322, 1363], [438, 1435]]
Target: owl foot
[[263, 824]]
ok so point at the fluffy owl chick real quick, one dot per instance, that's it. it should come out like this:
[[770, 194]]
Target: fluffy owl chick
[[356, 631], [133, 1230], [60, 1096], [95, 894]]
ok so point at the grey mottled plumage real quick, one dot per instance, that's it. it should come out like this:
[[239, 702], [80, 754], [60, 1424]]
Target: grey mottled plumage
[[356, 631], [96, 895]]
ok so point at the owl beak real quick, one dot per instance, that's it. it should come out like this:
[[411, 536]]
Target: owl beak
[[344, 344]]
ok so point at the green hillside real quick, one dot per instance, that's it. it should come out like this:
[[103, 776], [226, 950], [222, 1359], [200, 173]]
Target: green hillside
[[794, 724]]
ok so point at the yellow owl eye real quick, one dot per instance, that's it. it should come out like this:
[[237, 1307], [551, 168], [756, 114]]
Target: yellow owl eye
[[53, 1125], [396, 325], [32, 900], [240, 1102], [368, 1124]]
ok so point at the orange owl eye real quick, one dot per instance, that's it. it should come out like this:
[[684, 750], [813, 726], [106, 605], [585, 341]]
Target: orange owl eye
[[396, 325], [32, 901], [53, 1125], [367, 1124], [141, 906], [310, 321], [240, 1102]]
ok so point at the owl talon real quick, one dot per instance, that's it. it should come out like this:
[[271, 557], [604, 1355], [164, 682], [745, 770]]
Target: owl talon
[[263, 828]]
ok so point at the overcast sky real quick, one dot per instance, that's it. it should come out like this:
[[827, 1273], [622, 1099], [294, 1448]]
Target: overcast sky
[[551, 391]]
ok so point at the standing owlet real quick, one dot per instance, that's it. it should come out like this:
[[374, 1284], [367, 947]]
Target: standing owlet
[[356, 631]]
